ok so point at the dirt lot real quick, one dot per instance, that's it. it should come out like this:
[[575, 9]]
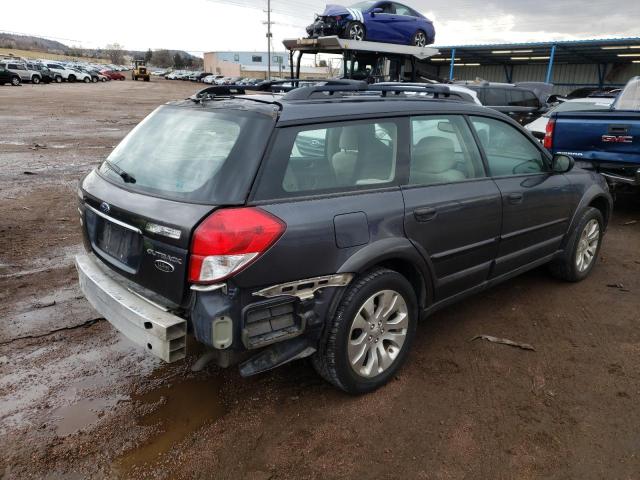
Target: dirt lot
[[77, 400]]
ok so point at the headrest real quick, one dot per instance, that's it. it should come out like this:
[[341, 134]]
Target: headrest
[[349, 138], [434, 155]]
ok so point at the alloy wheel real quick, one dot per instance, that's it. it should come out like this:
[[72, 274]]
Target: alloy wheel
[[356, 32], [378, 333], [587, 245], [420, 39]]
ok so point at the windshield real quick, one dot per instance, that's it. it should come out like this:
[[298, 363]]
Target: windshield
[[206, 156], [362, 6], [629, 99], [601, 104]]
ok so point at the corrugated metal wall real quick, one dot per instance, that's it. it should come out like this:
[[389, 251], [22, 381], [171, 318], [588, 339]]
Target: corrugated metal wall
[[566, 77]]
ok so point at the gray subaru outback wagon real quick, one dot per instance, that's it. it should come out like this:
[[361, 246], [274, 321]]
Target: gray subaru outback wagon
[[323, 223]]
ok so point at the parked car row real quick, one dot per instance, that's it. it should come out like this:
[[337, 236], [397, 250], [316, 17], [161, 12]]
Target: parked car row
[[16, 71]]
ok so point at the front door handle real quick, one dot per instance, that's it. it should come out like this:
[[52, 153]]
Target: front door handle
[[515, 198], [425, 214]]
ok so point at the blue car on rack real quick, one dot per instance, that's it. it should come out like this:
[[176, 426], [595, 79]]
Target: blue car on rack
[[375, 21]]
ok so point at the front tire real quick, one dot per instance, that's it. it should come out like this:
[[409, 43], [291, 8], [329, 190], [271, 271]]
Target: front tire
[[355, 31], [369, 337], [419, 39], [86, 80], [583, 247], [35, 80]]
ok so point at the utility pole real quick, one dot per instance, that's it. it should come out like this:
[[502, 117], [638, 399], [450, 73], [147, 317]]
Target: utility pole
[[269, 39]]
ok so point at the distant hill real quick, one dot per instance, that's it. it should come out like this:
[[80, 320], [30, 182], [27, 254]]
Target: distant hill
[[22, 42], [26, 42]]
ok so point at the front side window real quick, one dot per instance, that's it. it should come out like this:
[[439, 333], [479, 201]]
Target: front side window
[[329, 159], [508, 151], [443, 151]]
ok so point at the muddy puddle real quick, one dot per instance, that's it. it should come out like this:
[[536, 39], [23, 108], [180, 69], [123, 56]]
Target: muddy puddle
[[184, 407]]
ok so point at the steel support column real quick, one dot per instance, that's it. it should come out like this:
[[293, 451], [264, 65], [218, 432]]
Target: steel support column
[[550, 66], [508, 72], [453, 62]]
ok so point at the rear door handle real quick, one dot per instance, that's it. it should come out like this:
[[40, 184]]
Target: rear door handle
[[515, 198], [425, 214]]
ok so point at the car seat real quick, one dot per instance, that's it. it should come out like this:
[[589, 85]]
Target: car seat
[[434, 162], [344, 160]]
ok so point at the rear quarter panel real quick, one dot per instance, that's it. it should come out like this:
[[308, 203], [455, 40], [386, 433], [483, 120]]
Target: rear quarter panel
[[309, 247]]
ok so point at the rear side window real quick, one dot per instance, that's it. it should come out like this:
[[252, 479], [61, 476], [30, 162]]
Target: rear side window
[[523, 98], [496, 97], [331, 158], [186, 153], [508, 150], [443, 151]]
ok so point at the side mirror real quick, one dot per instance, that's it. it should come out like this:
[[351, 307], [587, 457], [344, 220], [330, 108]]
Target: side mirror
[[562, 163], [376, 10]]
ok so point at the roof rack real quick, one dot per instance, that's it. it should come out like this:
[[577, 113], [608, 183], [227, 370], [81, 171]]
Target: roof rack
[[398, 88], [335, 86], [210, 93]]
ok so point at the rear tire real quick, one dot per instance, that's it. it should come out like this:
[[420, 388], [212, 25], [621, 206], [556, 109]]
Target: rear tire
[[583, 247], [87, 80], [369, 337], [94, 79], [419, 39], [356, 31]]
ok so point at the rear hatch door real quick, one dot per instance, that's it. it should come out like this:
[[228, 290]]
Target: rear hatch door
[[141, 206]]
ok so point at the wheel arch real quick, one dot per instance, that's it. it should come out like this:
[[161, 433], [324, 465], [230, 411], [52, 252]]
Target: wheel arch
[[396, 254], [596, 197], [602, 203]]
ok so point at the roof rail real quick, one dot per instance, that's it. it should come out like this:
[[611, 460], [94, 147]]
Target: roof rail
[[330, 87], [397, 88], [335, 86], [218, 90]]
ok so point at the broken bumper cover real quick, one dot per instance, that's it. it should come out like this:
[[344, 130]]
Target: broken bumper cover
[[323, 28], [154, 329]]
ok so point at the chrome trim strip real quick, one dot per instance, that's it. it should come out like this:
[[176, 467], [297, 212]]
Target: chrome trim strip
[[111, 219], [305, 289], [208, 288]]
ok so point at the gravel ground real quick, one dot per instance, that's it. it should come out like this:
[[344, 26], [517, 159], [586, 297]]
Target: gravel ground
[[77, 400]]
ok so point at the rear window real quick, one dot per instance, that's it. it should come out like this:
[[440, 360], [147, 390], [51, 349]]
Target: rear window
[[205, 156]]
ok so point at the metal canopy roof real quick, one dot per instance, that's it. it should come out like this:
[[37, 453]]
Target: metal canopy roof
[[333, 44], [619, 50]]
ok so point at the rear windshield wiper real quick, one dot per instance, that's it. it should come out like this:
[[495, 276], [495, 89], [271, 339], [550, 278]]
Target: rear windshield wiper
[[127, 178]]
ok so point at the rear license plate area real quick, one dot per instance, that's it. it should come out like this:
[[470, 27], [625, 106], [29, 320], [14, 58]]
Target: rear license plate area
[[119, 244]]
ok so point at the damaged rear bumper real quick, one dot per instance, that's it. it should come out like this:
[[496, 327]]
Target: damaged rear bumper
[[156, 330]]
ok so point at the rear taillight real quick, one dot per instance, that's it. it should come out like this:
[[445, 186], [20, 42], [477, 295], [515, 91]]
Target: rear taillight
[[548, 134], [229, 240]]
